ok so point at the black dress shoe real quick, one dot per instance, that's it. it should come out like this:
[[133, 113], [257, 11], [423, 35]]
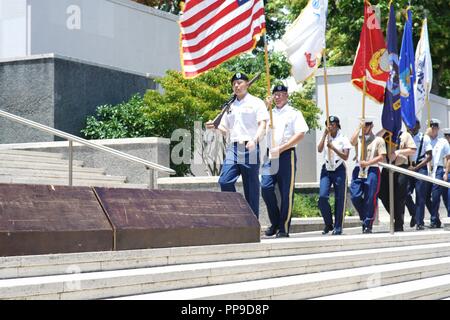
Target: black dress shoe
[[433, 226], [327, 229], [282, 235], [420, 227], [336, 232], [438, 224], [398, 229], [413, 222], [271, 231], [367, 230]]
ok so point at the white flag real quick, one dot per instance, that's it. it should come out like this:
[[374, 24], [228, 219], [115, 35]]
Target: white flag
[[305, 39], [424, 70]]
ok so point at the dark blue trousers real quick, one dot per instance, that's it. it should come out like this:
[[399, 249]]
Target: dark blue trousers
[[239, 161], [364, 194], [417, 209], [445, 197], [434, 197], [337, 179], [279, 171]]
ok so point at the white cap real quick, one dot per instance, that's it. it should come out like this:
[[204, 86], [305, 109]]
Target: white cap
[[435, 121], [446, 130]]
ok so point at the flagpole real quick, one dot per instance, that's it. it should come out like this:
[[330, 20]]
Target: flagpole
[[362, 173], [325, 78], [266, 58], [327, 110], [427, 102]]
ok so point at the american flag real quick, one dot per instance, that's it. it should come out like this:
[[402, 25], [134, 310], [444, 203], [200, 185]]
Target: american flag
[[213, 31]]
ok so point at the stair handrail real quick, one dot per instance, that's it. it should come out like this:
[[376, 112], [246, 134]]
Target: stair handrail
[[410, 173], [151, 166]]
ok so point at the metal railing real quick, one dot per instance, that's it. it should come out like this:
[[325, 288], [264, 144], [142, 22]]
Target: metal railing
[[151, 166], [410, 173]]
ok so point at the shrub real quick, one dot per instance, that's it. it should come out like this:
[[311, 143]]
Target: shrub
[[306, 206]]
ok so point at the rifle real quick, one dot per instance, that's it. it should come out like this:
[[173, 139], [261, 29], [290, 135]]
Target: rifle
[[226, 106]]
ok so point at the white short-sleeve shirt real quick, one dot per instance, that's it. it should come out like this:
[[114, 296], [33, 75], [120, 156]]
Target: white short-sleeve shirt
[[426, 146], [287, 122], [440, 151], [242, 119], [341, 143]]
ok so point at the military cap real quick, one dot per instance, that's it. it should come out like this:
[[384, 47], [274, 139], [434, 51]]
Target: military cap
[[280, 88], [435, 122], [239, 76]]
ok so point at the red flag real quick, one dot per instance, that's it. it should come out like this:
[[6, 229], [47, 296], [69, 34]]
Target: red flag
[[216, 30], [372, 58]]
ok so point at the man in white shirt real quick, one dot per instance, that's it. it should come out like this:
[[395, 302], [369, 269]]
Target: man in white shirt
[[280, 164], [419, 164], [440, 150], [244, 126]]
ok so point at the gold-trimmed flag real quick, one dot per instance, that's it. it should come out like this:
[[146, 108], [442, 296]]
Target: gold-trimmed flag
[[372, 58]]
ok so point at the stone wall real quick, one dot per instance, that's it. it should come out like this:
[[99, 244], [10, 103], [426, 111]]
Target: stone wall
[[60, 92]]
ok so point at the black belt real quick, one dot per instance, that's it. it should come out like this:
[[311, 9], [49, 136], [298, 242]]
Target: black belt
[[288, 150], [243, 143]]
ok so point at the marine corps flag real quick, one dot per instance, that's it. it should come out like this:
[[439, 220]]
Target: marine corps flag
[[372, 59]]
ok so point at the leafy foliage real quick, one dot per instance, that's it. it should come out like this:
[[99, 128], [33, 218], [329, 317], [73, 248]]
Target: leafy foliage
[[305, 206], [252, 63]]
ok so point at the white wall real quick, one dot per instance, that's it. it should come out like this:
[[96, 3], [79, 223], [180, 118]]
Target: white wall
[[118, 33], [345, 102], [13, 28]]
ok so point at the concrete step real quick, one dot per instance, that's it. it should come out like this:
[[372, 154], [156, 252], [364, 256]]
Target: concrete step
[[428, 288], [113, 283], [35, 154], [47, 166], [52, 173], [40, 265], [309, 285], [32, 159], [97, 181]]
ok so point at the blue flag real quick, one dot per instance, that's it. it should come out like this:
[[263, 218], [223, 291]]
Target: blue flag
[[407, 75], [391, 118]]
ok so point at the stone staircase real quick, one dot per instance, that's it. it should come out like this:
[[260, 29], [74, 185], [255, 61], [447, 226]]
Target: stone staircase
[[408, 265], [32, 167]]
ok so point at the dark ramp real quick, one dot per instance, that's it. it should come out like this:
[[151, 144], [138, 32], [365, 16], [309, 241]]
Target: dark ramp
[[40, 219], [170, 218]]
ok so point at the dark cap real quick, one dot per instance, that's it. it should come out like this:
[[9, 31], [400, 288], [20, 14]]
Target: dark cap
[[239, 76], [280, 88], [333, 119]]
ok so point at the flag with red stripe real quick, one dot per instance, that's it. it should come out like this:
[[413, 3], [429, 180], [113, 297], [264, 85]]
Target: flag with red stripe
[[213, 31], [372, 57]]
